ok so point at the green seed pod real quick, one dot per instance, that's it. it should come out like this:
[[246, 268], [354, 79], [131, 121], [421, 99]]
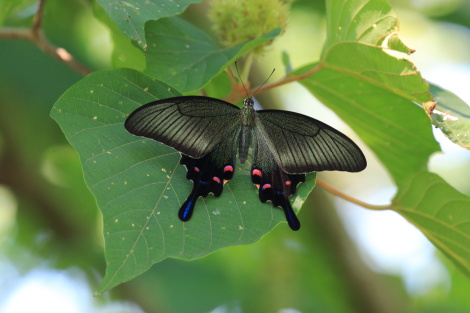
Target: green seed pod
[[236, 21]]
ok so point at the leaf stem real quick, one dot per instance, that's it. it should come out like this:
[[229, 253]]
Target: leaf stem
[[287, 79], [346, 197], [36, 35], [236, 93]]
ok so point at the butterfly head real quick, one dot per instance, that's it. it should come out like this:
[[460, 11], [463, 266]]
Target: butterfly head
[[248, 103]]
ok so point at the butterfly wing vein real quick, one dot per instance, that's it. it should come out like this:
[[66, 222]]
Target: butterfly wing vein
[[191, 125], [301, 144]]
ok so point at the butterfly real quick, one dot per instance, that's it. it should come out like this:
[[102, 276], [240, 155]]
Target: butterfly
[[209, 133]]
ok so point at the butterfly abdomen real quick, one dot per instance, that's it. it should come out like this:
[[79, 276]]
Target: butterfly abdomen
[[245, 137], [244, 142]]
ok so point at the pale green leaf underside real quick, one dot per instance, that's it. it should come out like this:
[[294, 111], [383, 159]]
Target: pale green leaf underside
[[185, 57], [440, 212], [139, 184], [374, 92], [451, 116], [131, 15], [370, 90], [395, 43], [363, 21]]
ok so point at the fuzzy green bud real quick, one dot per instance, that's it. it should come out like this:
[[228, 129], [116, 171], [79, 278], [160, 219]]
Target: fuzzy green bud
[[235, 21]]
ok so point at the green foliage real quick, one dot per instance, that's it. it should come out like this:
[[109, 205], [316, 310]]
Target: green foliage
[[238, 21], [452, 116], [139, 184], [130, 16], [363, 83], [439, 211], [362, 21], [186, 58], [15, 10]]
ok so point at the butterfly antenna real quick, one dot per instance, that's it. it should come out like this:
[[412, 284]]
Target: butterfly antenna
[[254, 93], [239, 77]]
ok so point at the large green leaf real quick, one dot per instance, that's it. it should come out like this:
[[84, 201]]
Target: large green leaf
[[374, 92], [363, 21], [139, 184], [451, 116], [370, 90], [185, 57], [440, 212], [131, 15], [125, 53]]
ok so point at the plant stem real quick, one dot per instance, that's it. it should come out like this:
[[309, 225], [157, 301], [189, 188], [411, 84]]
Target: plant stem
[[287, 79], [346, 197], [36, 35]]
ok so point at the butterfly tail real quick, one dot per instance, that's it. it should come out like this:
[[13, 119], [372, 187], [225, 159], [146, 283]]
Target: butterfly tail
[[187, 209], [291, 218], [277, 186]]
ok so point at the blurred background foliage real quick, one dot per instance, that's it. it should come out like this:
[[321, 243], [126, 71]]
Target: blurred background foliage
[[51, 248]]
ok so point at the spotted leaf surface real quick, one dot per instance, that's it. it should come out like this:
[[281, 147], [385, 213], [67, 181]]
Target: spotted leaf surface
[[186, 57], [139, 184], [130, 16]]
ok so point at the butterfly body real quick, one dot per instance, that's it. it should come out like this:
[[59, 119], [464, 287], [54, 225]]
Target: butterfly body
[[210, 133], [247, 124]]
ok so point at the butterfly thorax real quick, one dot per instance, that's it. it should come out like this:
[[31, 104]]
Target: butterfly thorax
[[247, 113], [247, 122]]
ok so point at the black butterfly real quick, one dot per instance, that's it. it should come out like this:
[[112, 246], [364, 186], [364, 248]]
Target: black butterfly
[[210, 132]]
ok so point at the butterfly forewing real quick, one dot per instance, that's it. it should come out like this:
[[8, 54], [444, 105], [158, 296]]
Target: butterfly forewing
[[208, 132], [301, 144], [192, 125]]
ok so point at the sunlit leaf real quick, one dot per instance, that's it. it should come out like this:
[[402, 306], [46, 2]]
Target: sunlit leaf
[[374, 92], [395, 43], [359, 21], [369, 89], [131, 15], [440, 212], [185, 57], [451, 116], [139, 184], [125, 53], [219, 87]]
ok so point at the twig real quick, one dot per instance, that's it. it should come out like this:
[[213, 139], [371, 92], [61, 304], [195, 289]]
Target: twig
[[285, 80], [37, 20], [36, 35], [346, 197], [237, 93]]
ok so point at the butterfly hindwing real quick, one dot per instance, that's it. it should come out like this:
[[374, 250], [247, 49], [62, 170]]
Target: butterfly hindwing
[[192, 125], [209, 173], [301, 144], [273, 182]]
